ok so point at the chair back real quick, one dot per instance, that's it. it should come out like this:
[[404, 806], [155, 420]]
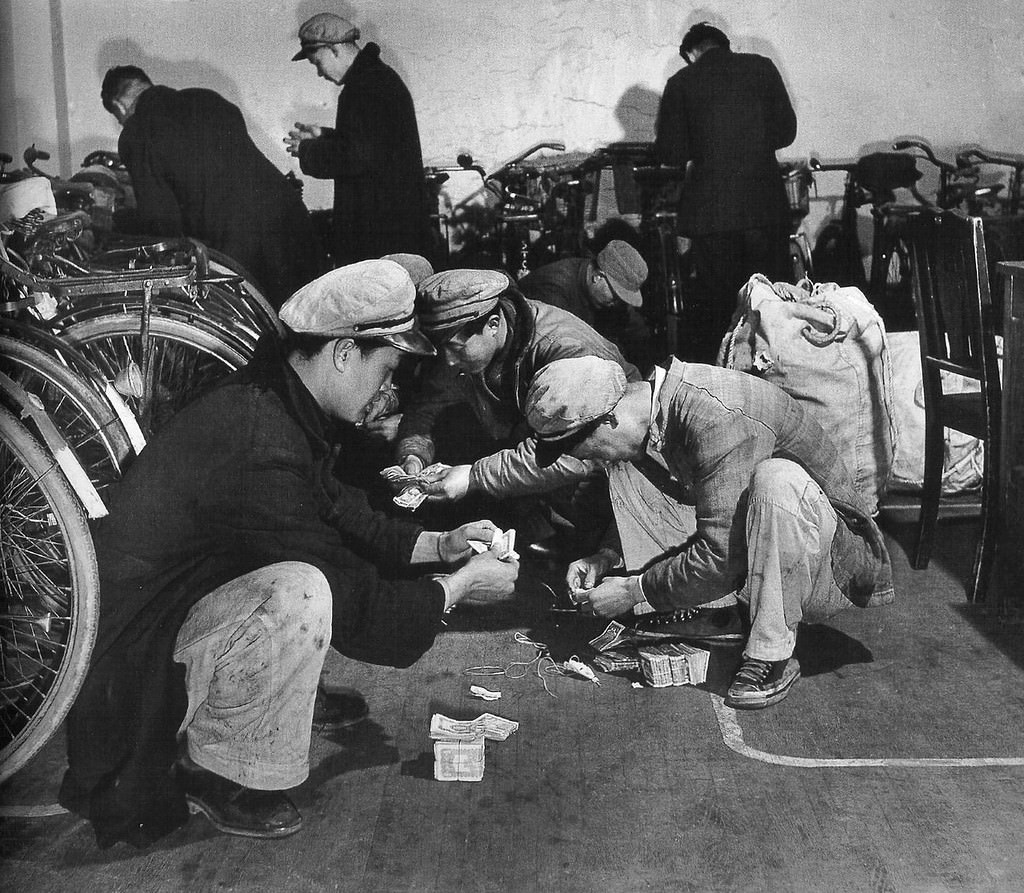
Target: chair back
[[955, 318]]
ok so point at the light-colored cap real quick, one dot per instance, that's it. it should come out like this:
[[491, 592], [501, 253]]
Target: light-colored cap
[[568, 396], [626, 271], [450, 299], [324, 29], [368, 299]]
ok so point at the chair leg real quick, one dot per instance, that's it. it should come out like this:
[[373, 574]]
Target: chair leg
[[931, 491], [985, 553]]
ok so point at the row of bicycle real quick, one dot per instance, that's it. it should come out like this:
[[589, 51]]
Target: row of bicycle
[[97, 351]]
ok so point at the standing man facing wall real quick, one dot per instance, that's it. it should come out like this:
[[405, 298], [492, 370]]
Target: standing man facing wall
[[196, 172], [724, 115], [372, 153]]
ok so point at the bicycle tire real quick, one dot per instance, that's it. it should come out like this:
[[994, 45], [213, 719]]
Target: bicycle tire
[[81, 413], [189, 356], [836, 259], [259, 308], [50, 579]]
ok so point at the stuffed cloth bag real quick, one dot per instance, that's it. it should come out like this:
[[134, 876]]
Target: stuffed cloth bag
[[826, 347]]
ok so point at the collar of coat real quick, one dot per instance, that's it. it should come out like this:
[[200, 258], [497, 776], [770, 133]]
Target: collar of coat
[[368, 58]]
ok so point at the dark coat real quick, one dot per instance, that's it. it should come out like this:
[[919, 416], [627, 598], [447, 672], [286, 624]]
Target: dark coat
[[373, 155], [239, 480], [196, 172], [727, 113]]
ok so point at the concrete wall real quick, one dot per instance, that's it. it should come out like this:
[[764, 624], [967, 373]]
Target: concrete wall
[[495, 76]]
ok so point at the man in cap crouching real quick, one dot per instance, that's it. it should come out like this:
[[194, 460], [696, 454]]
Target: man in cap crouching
[[492, 342], [232, 557], [777, 518]]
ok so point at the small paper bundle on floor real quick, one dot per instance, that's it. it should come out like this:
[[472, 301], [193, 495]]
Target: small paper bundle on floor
[[673, 664], [459, 744]]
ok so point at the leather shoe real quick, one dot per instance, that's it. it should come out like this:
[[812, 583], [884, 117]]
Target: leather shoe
[[234, 808], [338, 708], [723, 624]]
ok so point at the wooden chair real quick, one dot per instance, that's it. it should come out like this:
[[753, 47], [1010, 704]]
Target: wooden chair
[[957, 330]]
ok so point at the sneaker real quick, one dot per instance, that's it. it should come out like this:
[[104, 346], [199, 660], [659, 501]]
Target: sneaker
[[338, 708], [761, 683], [705, 624], [234, 808]]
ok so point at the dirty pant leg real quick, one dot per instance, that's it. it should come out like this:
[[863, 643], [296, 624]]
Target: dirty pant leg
[[649, 522], [790, 526], [253, 650]]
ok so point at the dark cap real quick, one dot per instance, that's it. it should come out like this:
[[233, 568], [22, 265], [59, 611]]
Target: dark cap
[[452, 298], [324, 29], [625, 270], [364, 300], [567, 399], [416, 265]]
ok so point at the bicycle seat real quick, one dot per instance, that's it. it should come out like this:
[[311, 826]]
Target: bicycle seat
[[882, 172], [69, 225]]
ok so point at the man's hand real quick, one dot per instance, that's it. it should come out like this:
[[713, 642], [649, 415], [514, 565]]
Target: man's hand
[[412, 465], [584, 573], [448, 485], [298, 134], [482, 580], [385, 426], [614, 596], [453, 546]]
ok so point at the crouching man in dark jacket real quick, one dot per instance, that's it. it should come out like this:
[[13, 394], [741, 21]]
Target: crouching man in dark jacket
[[232, 557]]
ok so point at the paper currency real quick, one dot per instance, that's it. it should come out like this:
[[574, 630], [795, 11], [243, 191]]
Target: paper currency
[[409, 487], [673, 664], [616, 662], [478, 691], [460, 760], [487, 725], [502, 544], [614, 634]]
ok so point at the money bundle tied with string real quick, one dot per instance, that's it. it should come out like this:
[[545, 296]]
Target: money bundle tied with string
[[459, 744]]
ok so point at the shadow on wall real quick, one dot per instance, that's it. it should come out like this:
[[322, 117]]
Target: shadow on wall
[[636, 112]]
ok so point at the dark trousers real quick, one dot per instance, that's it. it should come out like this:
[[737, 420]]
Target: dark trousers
[[722, 264]]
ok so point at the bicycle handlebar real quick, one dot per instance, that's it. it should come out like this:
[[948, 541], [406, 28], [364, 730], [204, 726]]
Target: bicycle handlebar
[[929, 153], [963, 157], [815, 165]]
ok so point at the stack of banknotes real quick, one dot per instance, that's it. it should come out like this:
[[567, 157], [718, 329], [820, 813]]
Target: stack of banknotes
[[459, 744]]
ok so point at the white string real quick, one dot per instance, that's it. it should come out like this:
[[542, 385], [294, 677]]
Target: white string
[[542, 663]]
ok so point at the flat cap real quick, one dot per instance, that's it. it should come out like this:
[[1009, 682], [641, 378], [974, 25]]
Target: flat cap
[[324, 29], [368, 299], [450, 299], [566, 398], [416, 265], [625, 269]]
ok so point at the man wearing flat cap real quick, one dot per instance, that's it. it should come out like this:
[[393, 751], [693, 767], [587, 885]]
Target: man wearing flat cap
[[381, 200], [491, 343], [233, 558], [721, 483], [603, 291]]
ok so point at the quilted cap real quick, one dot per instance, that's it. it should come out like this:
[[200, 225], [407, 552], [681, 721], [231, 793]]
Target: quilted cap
[[450, 299], [625, 270]]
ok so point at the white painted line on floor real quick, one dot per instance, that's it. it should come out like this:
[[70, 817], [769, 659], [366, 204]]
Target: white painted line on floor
[[732, 735], [31, 812]]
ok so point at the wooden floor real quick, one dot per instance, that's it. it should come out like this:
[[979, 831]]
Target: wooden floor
[[896, 764]]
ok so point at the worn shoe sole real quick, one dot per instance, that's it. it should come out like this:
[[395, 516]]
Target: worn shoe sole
[[757, 700], [338, 724], [196, 806]]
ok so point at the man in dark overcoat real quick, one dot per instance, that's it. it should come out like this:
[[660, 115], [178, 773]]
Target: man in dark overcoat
[[196, 172], [233, 558], [373, 154], [724, 115]]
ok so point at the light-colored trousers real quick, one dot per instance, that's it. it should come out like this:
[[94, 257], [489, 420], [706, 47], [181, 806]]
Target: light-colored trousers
[[789, 529], [253, 650]]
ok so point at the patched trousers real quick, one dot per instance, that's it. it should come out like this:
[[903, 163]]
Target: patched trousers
[[253, 650], [790, 525]]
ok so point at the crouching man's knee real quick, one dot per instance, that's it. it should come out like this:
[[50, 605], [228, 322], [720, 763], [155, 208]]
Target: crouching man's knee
[[299, 605], [779, 481]]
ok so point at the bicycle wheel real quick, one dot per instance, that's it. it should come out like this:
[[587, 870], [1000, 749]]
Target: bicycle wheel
[[187, 358], [81, 413], [49, 595], [254, 302]]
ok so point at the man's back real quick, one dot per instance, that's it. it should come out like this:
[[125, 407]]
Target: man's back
[[727, 113]]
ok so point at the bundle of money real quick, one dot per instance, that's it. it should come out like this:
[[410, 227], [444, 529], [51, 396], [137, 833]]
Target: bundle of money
[[487, 725], [673, 664], [459, 760], [616, 662]]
